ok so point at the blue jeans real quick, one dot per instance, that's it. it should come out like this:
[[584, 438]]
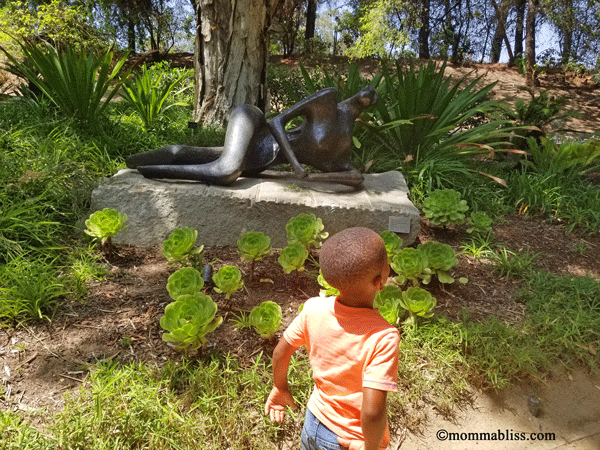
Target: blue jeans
[[316, 436]]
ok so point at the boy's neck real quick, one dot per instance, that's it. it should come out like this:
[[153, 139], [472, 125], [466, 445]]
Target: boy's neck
[[354, 301]]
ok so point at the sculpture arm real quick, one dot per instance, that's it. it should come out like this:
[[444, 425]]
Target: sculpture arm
[[350, 178]]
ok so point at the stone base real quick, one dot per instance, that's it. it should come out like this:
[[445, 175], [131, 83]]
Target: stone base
[[222, 214]]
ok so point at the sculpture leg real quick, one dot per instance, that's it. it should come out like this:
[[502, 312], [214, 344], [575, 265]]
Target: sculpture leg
[[174, 155], [244, 123]]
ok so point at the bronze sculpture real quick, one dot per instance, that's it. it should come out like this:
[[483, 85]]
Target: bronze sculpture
[[253, 144]]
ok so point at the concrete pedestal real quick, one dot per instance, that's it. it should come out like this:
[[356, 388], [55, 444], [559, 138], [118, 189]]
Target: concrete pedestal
[[222, 214]]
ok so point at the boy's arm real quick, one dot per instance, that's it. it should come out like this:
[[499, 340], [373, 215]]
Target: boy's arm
[[373, 420], [280, 396]]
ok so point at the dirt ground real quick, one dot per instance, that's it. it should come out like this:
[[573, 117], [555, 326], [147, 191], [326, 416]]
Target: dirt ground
[[119, 319]]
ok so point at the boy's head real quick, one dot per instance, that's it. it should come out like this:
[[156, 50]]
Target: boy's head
[[353, 258]]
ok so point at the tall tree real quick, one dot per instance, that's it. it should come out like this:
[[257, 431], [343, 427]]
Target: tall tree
[[311, 20], [231, 56], [520, 20], [424, 30], [530, 41]]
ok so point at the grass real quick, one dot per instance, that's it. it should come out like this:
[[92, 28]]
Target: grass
[[49, 165]]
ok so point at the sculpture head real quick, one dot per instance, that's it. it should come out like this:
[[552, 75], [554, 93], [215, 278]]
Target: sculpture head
[[367, 96]]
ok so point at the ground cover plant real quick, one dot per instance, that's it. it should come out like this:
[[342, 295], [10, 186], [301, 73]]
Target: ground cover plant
[[89, 325]]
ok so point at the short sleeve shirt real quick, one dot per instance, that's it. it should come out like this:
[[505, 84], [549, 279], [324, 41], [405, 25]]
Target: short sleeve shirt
[[349, 348]]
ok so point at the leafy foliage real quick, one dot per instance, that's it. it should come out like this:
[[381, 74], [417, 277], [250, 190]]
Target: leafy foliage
[[179, 246], [185, 281], [440, 259], [188, 320], [393, 243], [445, 207], [149, 95], [293, 257], [228, 280], [306, 229], [266, 319], [387, 301], [418, 302], [81, 85], [411, 264]]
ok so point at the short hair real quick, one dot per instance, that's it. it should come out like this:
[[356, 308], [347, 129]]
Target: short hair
[[350, 256]]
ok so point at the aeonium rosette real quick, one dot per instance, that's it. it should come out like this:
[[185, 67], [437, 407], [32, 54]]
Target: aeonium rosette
[[387, 301], [228, 280], [179, 246], [186, 280], [266, 319], [440, 259], [307, 229], [411, 264], [188, 320]]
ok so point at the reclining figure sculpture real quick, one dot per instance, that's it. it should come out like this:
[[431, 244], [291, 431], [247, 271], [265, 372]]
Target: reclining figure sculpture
[[253, 144]]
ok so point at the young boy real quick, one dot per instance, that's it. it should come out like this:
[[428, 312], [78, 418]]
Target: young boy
[[353, 351]]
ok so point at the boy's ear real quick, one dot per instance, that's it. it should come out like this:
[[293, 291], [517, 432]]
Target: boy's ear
[[378, 281]]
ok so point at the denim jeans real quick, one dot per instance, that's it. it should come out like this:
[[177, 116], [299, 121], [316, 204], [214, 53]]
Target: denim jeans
[[316, 436]]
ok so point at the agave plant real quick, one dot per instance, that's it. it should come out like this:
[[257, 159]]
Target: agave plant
[[81, 85], [149, 95]]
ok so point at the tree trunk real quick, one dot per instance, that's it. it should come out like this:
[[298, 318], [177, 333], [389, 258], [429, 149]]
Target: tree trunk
[[530, 42], [311, 20], [131, 35], [519, 27], [500, 34], [231, 56], [567, 28], [424, 30]]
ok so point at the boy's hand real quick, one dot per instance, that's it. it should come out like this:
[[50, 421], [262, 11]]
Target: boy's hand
[[276, 403], [351, 445]]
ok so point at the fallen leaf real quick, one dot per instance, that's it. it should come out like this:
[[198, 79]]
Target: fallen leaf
[[593, 350], [267, 280]]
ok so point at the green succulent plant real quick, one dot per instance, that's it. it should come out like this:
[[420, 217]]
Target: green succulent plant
[[328, 290], [188, 320], [444, 207], [479, 223], [184, 281], [418, 302], [180, 247], [440, 259], [411, 264], [393, 243], [387, 301], [228, 280], [103, 225], [266, 319], [293, 257], [307, 229], [252, 247]]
